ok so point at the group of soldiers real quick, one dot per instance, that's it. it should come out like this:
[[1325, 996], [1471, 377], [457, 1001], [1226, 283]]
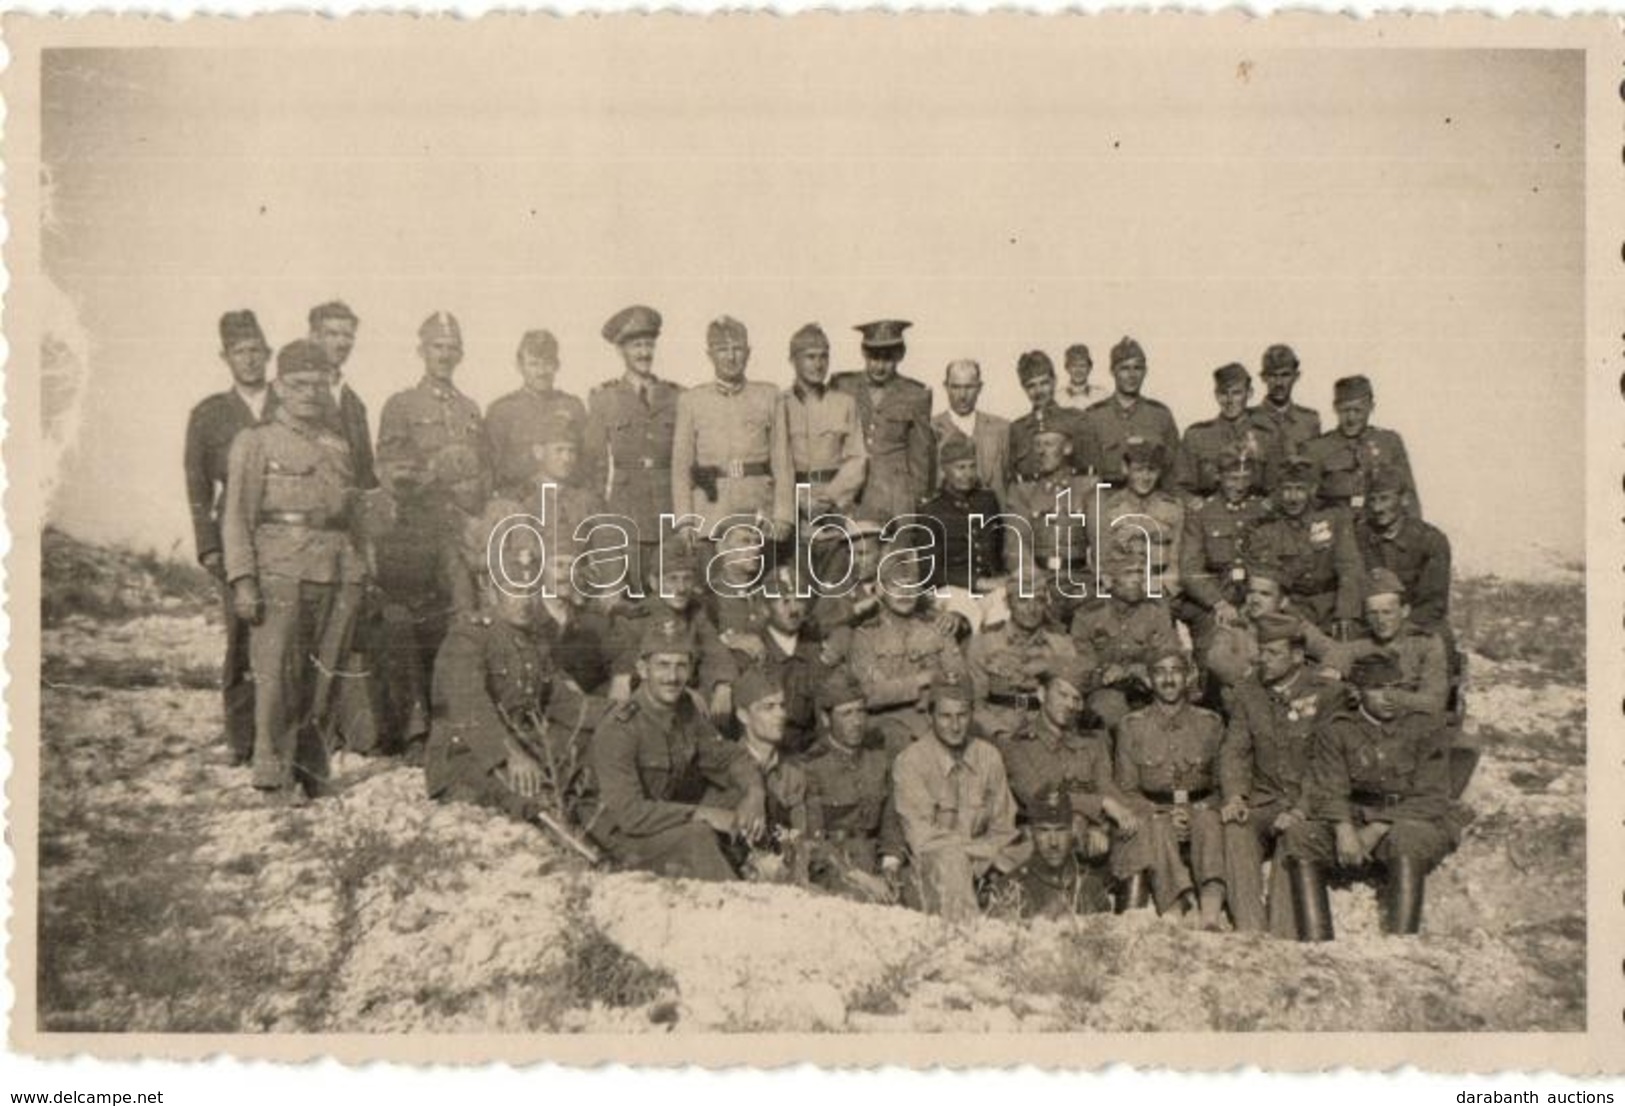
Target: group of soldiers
[[1068, 663]]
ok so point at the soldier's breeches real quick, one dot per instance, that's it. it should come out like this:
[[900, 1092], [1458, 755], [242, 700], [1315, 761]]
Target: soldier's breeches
[[1424, 840], [689, 851], [237, 685], [289, 649], [1156, 850]]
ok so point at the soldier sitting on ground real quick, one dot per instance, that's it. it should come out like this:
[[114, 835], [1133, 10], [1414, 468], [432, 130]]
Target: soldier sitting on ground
[[781, 854], [673, 594], [858, 847], [1123, 631], [1168, 769], [1379, 793], [1053, 883], [658, 762], [898, 657], [1420, 655]]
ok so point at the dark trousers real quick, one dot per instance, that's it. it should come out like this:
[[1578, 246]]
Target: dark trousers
[[237, 685]]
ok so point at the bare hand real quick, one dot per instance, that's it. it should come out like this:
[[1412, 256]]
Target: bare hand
[[717, 818], [722, 703], [1225, 613], [246, 603], [750, 817], [1287, 819], [1127, 823], [524, 774], [1235, 810], [1350, 849], [620, 688], [1096, 842], [215, 565]]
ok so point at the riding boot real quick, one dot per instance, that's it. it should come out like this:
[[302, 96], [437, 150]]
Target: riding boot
[[1310, 902], [1134, 893], [1406, 878]]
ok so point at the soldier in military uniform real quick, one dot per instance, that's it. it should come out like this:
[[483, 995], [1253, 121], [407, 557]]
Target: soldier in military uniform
[[838, 612], [1231, 654], [1037, 375], [1315, 548], [989, 435], [1379, 793], [1168, 768], [1347, 454], [1265, 772], [965, 556], [1008, 662], [1139, 522], [674, 595], [294, 569], [1293, 424], [954, 805], [1123, 631], [1390, 536], [1054, 883], [782, 644], [658, 764], [630, 425], [782, 854], [210, 429], [1237, 431], [525, 418], [897, 656], [1058, 545], [510, 731], [895, 412], [857, 848], [1063, 745], [730, 456], [821, 424], [1421, 655], [1214, 549], [1125, 414]]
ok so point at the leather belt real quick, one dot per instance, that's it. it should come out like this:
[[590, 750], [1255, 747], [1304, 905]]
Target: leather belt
[[1019, 699], [733, 470], [1382, 799], [817, 476], [1179, 797], [311, 520]]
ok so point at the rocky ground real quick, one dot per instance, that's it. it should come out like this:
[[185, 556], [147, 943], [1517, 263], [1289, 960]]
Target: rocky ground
[[172, 900]]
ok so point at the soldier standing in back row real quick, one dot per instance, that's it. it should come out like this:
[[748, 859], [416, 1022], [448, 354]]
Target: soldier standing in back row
[[895, 412], [1348, 453], [1037, 375], [826, 439], [630, 425], [212, 427], [332, 327], [1237, 431], [515, 422], [294, 569], [1126, 414], [1293, 424]]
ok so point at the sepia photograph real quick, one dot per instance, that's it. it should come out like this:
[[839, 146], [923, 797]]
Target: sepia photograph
[[916, 538]]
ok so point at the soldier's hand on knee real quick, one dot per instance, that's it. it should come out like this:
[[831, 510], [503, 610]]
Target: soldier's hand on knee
[[1285, 820], [246, 602], [750, 817], [215, 565], [1350, 848], [524, 775], [1235, 810], [1096, 842]]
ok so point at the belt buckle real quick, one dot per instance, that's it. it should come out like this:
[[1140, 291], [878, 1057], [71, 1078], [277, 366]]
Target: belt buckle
[[1182, 796], [1238, 573], [734, 470], [1356, 501], [646, 462]]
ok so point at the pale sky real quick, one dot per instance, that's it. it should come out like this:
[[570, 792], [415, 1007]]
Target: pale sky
[[1413, 215]]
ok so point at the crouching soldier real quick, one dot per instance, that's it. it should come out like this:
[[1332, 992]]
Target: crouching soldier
[[1053, 883], [509, 731], [780, 854], [957, 813], [1379, 779], [656, 757], [857, 846], [1168, 767]]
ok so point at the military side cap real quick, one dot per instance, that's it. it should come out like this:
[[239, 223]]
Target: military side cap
[[1262, 567], [1034, 365], [540, 343], [1278, 627], [957, 448], [839, 688], [1044, 425], [1127, 352], [883, 333], [1350, 388], [1078, 354], [454, 462], [557, 426], [1052, 807], [301, 356], [1145, 452], [951, 685], [442, 324], [1234, 460], [1376, 670], [1279, 357], [632, 322], [1162, 652], [809, 337], [1226, 376], [726, 330], [240, 326], [1298, 470], [1071, 670], [755, 684], [1382, 581], [1385, 478], [332, 309], [666, 635]]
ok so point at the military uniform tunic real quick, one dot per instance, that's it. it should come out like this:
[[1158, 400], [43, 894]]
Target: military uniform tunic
[[1320, 562], [1294, 427], [1005, 666], [1038, 759], [515, 424], [1423, 663], [726, 428], [896, 421], [964, 554], [1419, 554], [1206, 443], [1065, 540], [1214, 551], [827, 450], [1111, 424], [851, 788], [1045, 892], [1168, 758], [1147, 530], [1024, 440], [628, 446], [417, 424], [1345, 465]]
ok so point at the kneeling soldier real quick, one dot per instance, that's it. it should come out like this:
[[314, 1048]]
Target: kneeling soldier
[[655, 758], [1053, 883], [1380, 792], [858, 847], [1168, 766]]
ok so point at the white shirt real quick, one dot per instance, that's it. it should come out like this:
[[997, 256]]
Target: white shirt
[[255, 401], [965, 424], [786, 642]]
